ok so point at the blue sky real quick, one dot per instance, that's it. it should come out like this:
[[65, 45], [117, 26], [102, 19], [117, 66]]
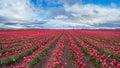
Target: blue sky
[[59, 14]]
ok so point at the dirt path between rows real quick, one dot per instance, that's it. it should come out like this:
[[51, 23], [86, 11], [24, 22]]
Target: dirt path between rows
[[67, 54], [88, 63], [43, 62]]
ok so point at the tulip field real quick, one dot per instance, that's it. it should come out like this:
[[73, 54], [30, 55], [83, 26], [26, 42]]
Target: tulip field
[[59, 48]]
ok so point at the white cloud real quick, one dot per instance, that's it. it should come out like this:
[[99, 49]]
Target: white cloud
[[85, 16], [17, 26], [73, 14], [93, 14], [17, 10], [61, 17]]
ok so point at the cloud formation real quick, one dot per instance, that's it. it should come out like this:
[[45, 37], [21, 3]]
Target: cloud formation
[[22, 14], [16, 9]]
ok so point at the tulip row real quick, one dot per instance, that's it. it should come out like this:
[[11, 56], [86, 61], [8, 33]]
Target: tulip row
[[103, 46], [57, 56], [21, 37], [29, 61], [108, 47], [103, 59], [114, 52], [23, 42], [27, 50], [78, 56], [14, 37], [59, 48], [104, 42], [23, 48], [106, 38]]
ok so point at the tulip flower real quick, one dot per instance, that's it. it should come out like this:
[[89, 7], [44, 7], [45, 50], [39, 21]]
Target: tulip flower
[[0, 54], [48, 65], [83, 66], [118, 65]]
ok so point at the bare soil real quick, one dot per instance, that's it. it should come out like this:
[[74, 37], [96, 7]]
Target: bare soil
[[43, 62], [67, 54]]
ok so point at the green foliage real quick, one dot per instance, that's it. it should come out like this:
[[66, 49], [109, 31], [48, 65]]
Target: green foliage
[[86, 51], [83, 49], [45, 51], [35, 48], [0, 46], [96, 62], [73, 56], [102, 50], [10, 49], [14, 58], [34, 61]]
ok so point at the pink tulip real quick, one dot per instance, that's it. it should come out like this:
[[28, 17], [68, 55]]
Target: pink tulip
[[27, 67], [118, 65], [22, 66], [54, 59], [0, 54], [83, 66], [28, 60], [108, 56], [48, 65], [62, 67], [111, 63]]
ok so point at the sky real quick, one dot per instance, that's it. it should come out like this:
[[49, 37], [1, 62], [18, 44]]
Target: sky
[[59, 14]]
